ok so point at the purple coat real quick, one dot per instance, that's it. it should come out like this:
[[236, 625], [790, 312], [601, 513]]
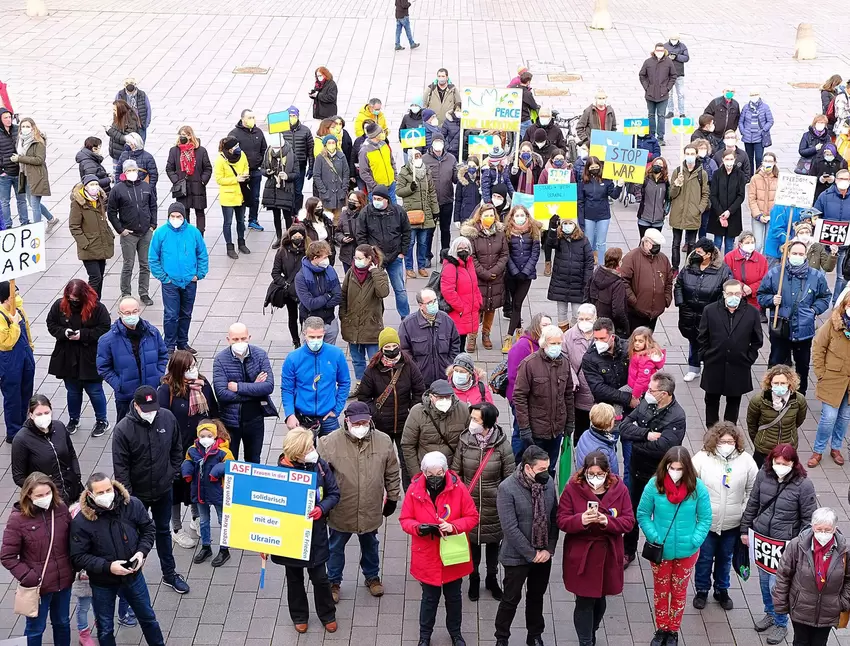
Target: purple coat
[[523, 347], [575, 347], [755, 123]]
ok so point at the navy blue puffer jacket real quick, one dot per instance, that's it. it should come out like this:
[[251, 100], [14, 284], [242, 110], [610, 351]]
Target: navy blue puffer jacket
[[118, 366]]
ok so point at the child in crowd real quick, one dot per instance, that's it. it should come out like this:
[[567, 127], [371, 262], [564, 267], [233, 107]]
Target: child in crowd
[[645, 359], [600, 437]]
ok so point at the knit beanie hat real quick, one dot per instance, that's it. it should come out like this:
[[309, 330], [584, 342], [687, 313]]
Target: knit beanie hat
[[388, 335], [466, 361], [90, 178], [328, 138], [176, 207], [427, 114], [371, 129], [539, 136], [294, 112]]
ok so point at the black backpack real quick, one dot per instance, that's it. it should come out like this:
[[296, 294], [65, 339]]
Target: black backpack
[[434, 284]]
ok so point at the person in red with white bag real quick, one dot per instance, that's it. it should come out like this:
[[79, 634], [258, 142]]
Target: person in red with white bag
[[437, 504]]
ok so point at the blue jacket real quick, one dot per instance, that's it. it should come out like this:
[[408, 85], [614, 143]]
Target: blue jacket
[[813, 299], [646, 142], [811, 139], [523, 254], [117, 364], [778, 226], [595, 440], [710, 167], [318, 290], [490, 177], [755, 123], [593, 200], [145, 161], [227, 368], [430, 131], [688, 530], [205, 471], [833, 206], [178, 255], [314, 383]]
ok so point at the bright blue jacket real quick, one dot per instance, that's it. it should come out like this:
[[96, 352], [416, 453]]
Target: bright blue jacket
[[777, 228], [832, 205], [227, 368], [205, 471], [688, 530], [176, 256], [813, 299], [314, 383], [117, 364]]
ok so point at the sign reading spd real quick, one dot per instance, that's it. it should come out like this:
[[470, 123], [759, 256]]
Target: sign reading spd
[[22, 251], [490, 108]]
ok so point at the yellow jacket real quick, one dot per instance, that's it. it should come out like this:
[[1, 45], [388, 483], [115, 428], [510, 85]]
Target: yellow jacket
[[229, 193], [10, 333], [842, 144], [364, 114]]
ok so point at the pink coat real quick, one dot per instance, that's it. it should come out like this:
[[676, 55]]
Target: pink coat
[[472, 395], [641, 369], [459, 286]]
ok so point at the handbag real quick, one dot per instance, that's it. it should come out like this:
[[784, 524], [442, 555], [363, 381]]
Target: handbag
[[382, 398], [803, 166], [245, 187], [180, 189], [653, 552], [454, 549], [416, 217], [27, 599]]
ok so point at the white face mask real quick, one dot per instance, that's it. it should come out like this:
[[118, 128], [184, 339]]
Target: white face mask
[[545, 122], [417, 163], [675, 474], [475, 428], [148, 417], [360, 431], [443, 405], [805, 238], [191, 373], [748, 247], [595, 481], [206, 442], [842, 185], [239, 348], [725, 450], [520, 219], [105, 500], [650, 398], [821, 537], [43, 421], [781, 470], [44, 501], [731, 143], [312, 457], [175, 223], [438, 146], [585, 326], [601, 346], [132, 175], [498, 200]]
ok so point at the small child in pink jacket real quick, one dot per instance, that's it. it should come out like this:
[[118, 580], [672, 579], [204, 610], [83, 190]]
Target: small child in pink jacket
[[645, 359]]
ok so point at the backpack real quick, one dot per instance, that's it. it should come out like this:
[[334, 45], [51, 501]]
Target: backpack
[[434, 285], [830, 111], [499, 378]]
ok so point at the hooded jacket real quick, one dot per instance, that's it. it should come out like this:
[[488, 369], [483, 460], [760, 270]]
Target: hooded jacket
[[554, 134], [776, 509], [831, 360], [695, 288], [252, 142], [377, 166], [76, 359], [227, 368], [543, 396], [177, 256], [89, 163], [366, 114], [649, 281], [687, 529], [314, 383], [89, 225], [729, 482], [204, 469], [760, 412], [33, 176], [657, 77], [433, 347], [523, 253], [408, 390], [647, 418], [572, 265], [389, 230], [361, 308], [459, 286], [608, 292], [490, 258], [132, 206], [492, 176], [593, 439], [318, 291], [226, 176], [118, 365], [50, 452], [419, 194], [467, 194], [762, 192], [427, 429]]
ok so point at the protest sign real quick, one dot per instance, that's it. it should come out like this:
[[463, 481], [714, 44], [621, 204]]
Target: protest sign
[[831, 232], [601, 140], [265, 509], [555, 199], [490, 108], [765, 552], [682, 125], [638, 127], [22, 251], [522, 199], [559, 176], [795, 190], [278, 122], [627, 164], [482, 144], [412, 137]]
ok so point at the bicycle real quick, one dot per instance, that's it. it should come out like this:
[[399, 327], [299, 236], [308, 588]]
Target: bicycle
[[568, 127]]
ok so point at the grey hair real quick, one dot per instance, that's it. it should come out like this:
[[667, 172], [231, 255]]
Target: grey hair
[[825, 516], [312, 323], [434, 460], [421, 294], [745, 234], [665, 382], [374, 101], [136, 139], [587, 308], [244, 112], [125, 299], [549, 331], [456, 243]]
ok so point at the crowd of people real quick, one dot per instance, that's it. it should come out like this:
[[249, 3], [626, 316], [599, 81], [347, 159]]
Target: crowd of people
[[417, 424]]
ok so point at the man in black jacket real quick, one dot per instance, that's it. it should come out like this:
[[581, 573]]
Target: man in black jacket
[[384, 224], [9, 171], [301, 139], [654, 427], [678, 53], [529, 103], [146, 457], [742, 160], [657, 76], [725, 110], [252, 142], [132, 213], [111, 537]]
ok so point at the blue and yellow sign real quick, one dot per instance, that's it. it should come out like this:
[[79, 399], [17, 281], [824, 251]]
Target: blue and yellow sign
[[682, 125], [482, 144], [555, 199], [627, 164], [639, 127], [412, 137], [491, 108], [601, 140], [278, 122], [265, 509]]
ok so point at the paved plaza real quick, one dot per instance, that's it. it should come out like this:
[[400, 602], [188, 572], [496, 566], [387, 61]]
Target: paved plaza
[[64, 71]]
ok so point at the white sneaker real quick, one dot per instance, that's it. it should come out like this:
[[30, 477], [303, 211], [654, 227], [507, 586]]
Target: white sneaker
[[691, 375], [184, 540], [52, 224], [195, 526]]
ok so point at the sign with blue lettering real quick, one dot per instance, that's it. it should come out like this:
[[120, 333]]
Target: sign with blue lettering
[[638, 127], [490, 108], [601, 140], [627, 164]]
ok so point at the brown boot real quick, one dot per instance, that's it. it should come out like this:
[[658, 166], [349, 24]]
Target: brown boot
[[410, 273], [335, 592], [301, 628], [424, 273], [331, 626], [547, 271], [471, 341], [836, 456], [814, 460], [564, 326], [376, 588], [485, 341]]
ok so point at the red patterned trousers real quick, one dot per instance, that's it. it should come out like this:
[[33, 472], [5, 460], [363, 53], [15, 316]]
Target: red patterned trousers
[[671, 591]]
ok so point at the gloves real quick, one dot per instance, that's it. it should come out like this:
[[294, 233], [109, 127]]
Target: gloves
[[389, 508], [316, 514], [309, 174], [428, 530], [412, 186], [525, 435]]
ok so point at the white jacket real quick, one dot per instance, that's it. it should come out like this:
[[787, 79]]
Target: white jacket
[[727, 502]]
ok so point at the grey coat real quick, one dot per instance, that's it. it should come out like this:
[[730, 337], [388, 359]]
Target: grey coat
[[433, 347], [784, 518], [443, 173], [515, 515], [330, 175]]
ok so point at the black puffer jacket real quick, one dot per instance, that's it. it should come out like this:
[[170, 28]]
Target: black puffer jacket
[[252, 141], [8, 147], [287, 261], [52, 453], [196, 183], [607, 373], [572, 266], [300, 139], [786, 516], [146, 457], [346, 228], [407, 393], [89, 163], [132, 205], [117, 138], [607, 291], [389, 230], [670, 421], [76, 359], [695, 288]]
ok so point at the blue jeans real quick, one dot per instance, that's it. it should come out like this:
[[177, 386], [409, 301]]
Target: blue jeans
[[83, 607], [134, 589], [693, 356], [716, 552], [94, 389], [679, 89], [767, 582], [840, 283], [597, 234], [360, 354], [395, 269], [58, 606], [403, 23], [523, 127], [9, 184], [551, 446], [727, 242], [204, 515], [418, 239], [370, 558], [755, 152], [255, 181], [627, 461], [703, 224], [177, 303], [37, 208], [160, 510], [657, 110], [832, 425], [228, 213]]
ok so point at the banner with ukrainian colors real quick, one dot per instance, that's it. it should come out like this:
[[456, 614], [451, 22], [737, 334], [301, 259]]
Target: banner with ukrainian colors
[[627, 164], [265, 509], [555, 199], [412, 137], [278, 122], [639, 127], [491, 108], [601, 140]]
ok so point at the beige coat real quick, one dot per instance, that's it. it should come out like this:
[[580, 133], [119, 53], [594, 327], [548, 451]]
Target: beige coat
[[761, 193], [831, 361], [427, 429]]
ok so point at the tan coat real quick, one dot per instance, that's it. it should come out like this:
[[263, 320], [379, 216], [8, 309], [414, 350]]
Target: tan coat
[[762, 193], [34, 170], [427, 429], [361, 311], [831, 360], [687, 202], [90, 227], [364, 470]]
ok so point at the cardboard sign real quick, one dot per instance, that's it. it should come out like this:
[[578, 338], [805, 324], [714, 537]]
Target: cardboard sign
[[831, 232], [278, 122], [22, 251], [559, 176], [627, 164], [482, 144], [766, 552], [555, 199], [412, 137], [795, 190], [523, 199], [682, 125], [490, 108], [265, 509], [639, 127], [601, 140]]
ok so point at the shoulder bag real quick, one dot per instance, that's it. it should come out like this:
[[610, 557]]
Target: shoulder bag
[[481, 466], [777, 419], [382, 399], [245, 187], [180, 189], [27, 599], [654, 552]]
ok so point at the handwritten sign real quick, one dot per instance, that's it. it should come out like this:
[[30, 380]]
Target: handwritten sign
[[559, 176], [555, 199], [601, 140], [523, 199], [22, 251], [766, 552], [682, 125], [795, 190], [627, 164], [482, 144], [639, 127], [831, 232], [278, 122], [490, 108], [412, 137]]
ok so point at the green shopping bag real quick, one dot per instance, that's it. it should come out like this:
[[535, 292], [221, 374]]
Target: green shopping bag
[[454, 549], [565, 463]]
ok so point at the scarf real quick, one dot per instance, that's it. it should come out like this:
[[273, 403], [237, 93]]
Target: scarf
[[676, 493], [846, 320], [520, 230], [801, 272], [24, 143], [197, 402], [483, 438], [821, 558], [539, 519], [419, 173], [487, 232], [131, 98], [526, 177], [389, 363], [744, 254], [360, 274], [187, 158]]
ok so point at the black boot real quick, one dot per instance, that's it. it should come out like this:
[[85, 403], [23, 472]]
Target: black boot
[[672, 638], [658, 638], [231, 252], [203, 554], [492, 584], [474, 587], [221, 558], [243, 248], [700, 599], [722, 597], [276, 243]]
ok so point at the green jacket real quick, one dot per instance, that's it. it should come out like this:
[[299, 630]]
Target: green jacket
[[760, 412], [418, 195]]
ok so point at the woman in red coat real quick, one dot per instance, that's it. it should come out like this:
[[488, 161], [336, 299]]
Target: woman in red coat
[[748, 266], [437, 504], [595, 511], [459, 286]]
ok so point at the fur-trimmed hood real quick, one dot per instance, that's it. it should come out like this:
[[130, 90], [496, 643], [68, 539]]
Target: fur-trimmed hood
[[469, 229], [837, 320], [90, 512], [463, 176], [77, 194], [716, 259]]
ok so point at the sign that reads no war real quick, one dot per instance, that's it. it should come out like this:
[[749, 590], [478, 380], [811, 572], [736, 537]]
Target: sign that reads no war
[[490, 108], [22, 251]]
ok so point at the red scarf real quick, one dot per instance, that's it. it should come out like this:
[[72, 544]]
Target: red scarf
[[360, 274], [676, 493], [187, 158], [821, 558]]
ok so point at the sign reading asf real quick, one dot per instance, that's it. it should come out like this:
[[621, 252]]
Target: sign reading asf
[[22, 251]]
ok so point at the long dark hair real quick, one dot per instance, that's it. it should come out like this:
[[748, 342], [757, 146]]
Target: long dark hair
[[689, 475], [123, 114], [179, 363], [81, 291], [585, 175], [595, 459]]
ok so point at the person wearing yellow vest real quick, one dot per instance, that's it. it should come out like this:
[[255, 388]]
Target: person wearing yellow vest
[[17, 363], [377, 167], [370, 112]]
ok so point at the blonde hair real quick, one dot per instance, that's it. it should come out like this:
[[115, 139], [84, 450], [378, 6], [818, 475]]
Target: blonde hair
[[602, 416], [298, 443], [190, 133], [650, 346]]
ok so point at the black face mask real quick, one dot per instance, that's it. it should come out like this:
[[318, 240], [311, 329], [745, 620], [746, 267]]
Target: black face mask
[[318, 210], [463, 255], [184, 139], [435, 483], [656, 169], [542, 477], [131, 88], [392, 354], [695, 260], [655, 249], [593, 171], [76, 305], [353, 206], [297, 241]]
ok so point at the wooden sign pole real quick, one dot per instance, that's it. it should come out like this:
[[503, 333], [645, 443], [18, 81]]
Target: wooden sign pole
[[782, 270]]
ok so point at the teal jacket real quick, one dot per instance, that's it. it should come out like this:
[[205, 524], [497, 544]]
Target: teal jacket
[[688, 531], [178, 255]]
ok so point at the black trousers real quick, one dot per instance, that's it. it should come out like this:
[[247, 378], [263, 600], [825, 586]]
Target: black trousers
[[642, 229], [200, 219], [250, 434], [783, 350], [587, 616], [712, 409], [637, 320], [518, 288], [491, 555], [278, 226], [637, 485], [759, 458], [446, 225], [809, 635], [405, 476], [690, 239], [96, 270], [536, 575], [582, 424], [292, 320], [296, 594], [430, 602]]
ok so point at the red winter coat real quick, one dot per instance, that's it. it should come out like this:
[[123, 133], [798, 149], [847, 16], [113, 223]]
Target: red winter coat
[[459, 285], [755, 269], [25, 544], [455, 506], [589, 552]]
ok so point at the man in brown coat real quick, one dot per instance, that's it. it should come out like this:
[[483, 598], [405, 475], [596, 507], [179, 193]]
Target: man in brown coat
[[543, 396], [649, 280]]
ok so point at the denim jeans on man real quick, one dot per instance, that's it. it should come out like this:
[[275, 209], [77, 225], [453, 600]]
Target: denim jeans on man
[[58, 606], [403, 23], [255, 180], [597, 235], [94, 389], [160, 510], [251, 434], [419, 239], [204, 515], [716, 554], [727, 243], [177, 303], [8, 185], [370, 558], [840, 283], [395, 270], [832, 426], [523, 127], [767, 582], [132, 244], [679, 89], [134, 589], [552, 446], [657, 110], [361, 353], [755, 152], [228, 212]]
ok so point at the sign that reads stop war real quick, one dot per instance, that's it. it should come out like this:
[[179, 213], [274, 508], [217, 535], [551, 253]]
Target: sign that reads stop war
[[766, 552], [22, 251]]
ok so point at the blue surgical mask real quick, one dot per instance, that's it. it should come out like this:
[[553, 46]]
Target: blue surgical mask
[[130, 319], [432, 308], [558, 163], [471, 170], [553, 351], [460, 378], [733, 301], [315, 344], [796, 261], [526, 157], [237, 151], [780, 390]]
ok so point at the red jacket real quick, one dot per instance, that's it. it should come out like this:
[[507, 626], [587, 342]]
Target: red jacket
[[755, 268], [459, 285], [589, 552], [25, 544], [455, 506]]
